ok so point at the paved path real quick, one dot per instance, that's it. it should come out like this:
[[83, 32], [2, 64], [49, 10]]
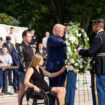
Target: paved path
[[81, 99], [8, 100], [83, 93]]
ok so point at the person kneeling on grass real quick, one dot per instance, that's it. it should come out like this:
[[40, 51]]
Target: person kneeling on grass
[[36, 73]]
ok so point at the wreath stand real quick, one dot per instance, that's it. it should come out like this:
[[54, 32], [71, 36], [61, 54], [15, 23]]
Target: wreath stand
[[83, 93]]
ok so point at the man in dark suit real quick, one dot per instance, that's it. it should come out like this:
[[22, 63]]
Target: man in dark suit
[[34, 37], [97, 51], [9, 44], [56, 55]]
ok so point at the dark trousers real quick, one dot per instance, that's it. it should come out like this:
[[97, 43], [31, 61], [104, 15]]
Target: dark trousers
[[10, 77], [54, 82], [98, 89], [15, 80], [70, 87], [5, 80], [1, 79]]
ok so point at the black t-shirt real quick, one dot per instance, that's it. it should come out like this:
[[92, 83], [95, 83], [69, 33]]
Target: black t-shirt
[[27, 53]]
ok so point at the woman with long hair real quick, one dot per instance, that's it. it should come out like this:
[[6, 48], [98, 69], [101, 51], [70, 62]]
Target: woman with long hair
[[36, 73]]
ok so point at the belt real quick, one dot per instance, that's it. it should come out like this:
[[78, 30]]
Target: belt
[[100, 54]]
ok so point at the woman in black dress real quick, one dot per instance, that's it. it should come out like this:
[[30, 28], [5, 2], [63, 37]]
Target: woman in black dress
[[36, 73]]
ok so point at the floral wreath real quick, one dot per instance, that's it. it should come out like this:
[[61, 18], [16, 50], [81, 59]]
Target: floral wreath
[[76, 37]]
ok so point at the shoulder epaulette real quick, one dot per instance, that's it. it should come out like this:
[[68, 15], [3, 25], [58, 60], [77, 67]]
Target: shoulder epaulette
[[99, 35]]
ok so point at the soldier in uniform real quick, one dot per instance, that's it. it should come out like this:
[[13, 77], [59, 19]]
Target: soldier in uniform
[[97, 52]]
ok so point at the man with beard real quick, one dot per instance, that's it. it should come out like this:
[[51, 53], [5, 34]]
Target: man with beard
[[26, 53]]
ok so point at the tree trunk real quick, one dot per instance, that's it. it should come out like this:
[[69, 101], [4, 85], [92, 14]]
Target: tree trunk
[[57, 9]]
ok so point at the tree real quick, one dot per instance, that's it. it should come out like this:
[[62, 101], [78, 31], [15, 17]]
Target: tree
[[43, 14], [5, 19]]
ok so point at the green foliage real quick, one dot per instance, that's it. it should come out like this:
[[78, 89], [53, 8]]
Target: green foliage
[[43, 14], [5, 19]]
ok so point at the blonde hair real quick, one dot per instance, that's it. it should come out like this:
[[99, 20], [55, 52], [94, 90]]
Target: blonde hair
[[57, 27], [35, 60]]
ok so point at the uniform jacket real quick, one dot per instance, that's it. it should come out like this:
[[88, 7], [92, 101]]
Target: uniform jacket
[[97, 46]]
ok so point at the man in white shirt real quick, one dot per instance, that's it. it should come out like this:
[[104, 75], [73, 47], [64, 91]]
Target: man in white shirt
[[6, 60], [44, 40], [12, 35]]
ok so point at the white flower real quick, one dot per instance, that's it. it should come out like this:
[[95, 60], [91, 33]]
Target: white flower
[[81, 66], [69, 50], [67, 35], [72, 61], [76, 31], [73, 39], [79, 35], [76, 64], [87, 39], [67, 43], [82, 30], [76, 42], [85, 34], [70, 38]]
